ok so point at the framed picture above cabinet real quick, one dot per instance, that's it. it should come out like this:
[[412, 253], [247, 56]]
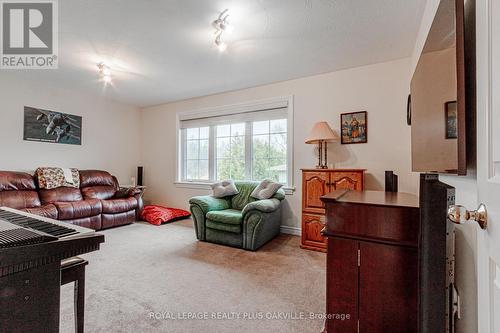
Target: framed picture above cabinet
[[354, 127]]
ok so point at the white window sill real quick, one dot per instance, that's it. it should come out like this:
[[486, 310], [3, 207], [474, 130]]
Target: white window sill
[[207, 186]]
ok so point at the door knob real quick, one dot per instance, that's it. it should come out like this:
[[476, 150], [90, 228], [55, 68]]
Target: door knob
[[460, 215]]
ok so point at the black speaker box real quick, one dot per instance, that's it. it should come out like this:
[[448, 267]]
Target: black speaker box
[[140, 171]]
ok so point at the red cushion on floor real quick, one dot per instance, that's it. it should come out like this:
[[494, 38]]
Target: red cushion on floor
[[157, 214]]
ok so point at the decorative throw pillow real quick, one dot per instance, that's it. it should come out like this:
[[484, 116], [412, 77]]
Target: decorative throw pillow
[[224, 188], [266, 189], [50, 178]]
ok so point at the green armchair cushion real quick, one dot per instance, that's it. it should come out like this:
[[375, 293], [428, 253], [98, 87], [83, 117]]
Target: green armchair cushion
[[227, 216], [240, 200], [234, 228]]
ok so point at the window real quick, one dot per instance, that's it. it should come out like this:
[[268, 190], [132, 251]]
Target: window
[[196, 157], [248, 145], [269, 150], [230, 154]]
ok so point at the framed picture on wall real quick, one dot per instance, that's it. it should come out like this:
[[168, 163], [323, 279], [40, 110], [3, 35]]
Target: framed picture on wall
[[354, 127], [50, 126], [450, 109]]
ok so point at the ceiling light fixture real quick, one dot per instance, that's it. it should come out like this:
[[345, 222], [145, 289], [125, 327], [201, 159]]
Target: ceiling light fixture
[[104, 72], [221, 25]]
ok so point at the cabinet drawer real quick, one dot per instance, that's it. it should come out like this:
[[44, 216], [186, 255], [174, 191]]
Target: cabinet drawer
[[311, 231], [347, 180], [396, 225]]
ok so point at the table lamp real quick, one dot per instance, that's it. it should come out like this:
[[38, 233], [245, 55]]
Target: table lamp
[[321, 133]]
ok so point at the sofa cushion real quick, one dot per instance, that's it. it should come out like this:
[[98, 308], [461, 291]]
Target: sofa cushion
[[228, 216], [48, 211], [78, 209], [234, 228], [19, 199], [114, 220], [97, 184], [16, 181], [61, 194], [18, 190], [101, 192], [96, 178], [92, 222], [118, 205]]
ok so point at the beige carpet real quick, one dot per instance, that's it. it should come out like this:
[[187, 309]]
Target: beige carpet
[[143, 271]]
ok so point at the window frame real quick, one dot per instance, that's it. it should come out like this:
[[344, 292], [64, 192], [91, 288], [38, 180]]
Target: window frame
[[277, 102]]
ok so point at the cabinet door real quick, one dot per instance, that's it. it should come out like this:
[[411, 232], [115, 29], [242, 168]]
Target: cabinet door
[[342, 286], [387, 288], [314, 185], [347, 180], [311, 231]]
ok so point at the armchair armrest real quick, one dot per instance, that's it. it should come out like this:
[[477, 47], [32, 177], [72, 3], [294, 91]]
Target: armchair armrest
[[209, 203], [264, 206]]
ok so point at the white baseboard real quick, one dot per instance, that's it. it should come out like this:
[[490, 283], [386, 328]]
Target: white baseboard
[[296, 231]]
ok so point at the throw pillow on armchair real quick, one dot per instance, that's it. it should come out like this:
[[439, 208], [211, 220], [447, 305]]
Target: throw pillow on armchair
[[224, 188], [266, 189]]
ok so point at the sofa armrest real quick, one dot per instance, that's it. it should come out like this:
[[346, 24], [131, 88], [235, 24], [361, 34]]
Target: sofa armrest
[[209, 203], [264, 206], [126, 192], [140, 206]]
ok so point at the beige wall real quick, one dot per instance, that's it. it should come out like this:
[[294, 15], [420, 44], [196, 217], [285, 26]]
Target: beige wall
[[110, 133], [380, 89]]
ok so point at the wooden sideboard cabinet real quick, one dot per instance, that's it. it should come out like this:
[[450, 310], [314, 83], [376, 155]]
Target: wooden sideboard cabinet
[[372, 261], [315, 184]]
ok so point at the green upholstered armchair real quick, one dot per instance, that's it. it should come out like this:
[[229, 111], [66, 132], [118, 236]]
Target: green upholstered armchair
[[238, 220]]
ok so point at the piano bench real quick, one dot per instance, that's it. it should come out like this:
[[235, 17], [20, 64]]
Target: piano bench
[[73, 270]]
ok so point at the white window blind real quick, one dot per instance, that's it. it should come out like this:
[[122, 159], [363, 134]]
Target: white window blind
[[205, 120]]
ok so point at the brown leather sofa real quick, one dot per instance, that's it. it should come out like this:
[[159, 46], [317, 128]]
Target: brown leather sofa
[[99, 203]]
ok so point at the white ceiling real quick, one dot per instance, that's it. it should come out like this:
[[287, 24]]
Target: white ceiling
[[162, 50]]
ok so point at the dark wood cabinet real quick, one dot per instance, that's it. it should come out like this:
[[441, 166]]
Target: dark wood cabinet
[[315, 184], [372, 261]]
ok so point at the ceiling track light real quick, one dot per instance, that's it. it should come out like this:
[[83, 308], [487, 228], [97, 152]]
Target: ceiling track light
[[221, 24], [104, 72]]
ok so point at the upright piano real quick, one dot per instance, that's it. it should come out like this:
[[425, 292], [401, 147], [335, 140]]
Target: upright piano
[[31, 250]]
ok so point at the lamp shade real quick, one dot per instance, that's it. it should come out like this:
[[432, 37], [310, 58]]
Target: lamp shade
[[321, 132]]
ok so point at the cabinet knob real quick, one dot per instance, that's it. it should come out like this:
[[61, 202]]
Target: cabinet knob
[[460, 215]]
